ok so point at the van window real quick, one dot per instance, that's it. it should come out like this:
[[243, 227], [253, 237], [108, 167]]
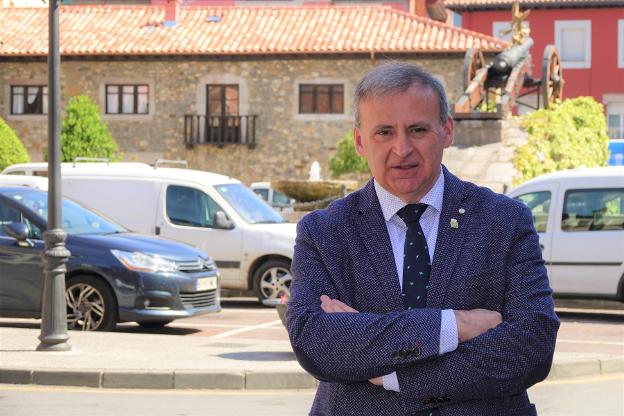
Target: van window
[[593, 210], [539, 204], [190, 207], [280, 199], [262, 193]]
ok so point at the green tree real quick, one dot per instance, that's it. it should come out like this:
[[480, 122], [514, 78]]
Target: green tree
[[84, 134], [571, 134], [346, 159], [12, 150]]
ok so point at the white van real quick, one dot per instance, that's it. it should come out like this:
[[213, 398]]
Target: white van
[[250, 242], [579, 216]]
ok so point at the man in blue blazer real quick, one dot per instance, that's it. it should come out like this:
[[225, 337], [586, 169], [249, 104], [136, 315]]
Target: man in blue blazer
[[419, 294]]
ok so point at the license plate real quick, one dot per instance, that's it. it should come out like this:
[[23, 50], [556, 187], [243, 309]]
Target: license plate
[[206, 283]]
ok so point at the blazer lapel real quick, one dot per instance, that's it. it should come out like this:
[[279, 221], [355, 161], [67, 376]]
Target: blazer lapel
[[449, 242], [371, 226]]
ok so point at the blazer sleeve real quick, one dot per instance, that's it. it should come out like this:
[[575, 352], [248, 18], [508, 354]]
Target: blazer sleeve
[[349, 347], [505, 360]]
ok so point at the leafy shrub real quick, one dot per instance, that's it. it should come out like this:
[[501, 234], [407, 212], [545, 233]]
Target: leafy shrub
[[346, 159], [11, 148], [84, 134], [571, 134]]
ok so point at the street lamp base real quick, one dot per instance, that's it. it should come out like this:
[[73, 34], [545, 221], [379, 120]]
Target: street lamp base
[[55, 342]]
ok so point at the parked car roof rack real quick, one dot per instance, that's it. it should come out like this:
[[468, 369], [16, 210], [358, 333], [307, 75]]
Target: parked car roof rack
[[160, 162], [91, 159]]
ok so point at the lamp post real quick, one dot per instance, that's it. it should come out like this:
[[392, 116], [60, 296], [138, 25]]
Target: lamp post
[[53, 335]]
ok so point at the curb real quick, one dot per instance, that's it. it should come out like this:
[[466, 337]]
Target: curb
[[159, 379], [223, 380]]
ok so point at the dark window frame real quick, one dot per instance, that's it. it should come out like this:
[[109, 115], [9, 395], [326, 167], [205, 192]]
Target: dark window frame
[[332, 92], [120, 95], [223, 100], [39, 102]]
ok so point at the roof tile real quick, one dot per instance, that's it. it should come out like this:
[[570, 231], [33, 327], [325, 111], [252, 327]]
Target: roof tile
[[139, 30]]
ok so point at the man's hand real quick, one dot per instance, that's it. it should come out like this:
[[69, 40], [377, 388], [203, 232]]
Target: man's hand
[[475, 322], [330, 305]]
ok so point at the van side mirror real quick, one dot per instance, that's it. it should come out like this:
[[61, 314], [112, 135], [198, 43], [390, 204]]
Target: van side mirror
[[19, 231], [222, 221]]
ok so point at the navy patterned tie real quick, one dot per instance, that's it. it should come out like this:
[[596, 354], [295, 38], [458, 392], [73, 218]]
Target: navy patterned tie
[[416, 262]]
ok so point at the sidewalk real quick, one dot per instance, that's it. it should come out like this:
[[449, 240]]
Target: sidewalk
[[151, 361]]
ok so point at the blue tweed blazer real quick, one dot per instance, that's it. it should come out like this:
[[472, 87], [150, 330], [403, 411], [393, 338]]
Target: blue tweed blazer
[[492, 260]]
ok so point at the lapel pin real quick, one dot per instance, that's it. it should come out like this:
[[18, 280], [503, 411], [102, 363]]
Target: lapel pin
[[454, 223], [461, 210]]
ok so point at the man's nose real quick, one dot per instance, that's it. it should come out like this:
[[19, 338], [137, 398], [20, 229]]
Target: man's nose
[[402, 146]]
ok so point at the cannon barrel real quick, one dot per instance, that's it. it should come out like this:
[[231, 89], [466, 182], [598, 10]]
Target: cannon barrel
[[506, 60]]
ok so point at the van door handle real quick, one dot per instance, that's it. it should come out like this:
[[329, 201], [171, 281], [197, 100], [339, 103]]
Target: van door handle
[[542, 247], [157, 231]]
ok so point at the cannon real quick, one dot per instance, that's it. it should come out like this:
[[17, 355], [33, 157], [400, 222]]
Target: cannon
[[491, 90]]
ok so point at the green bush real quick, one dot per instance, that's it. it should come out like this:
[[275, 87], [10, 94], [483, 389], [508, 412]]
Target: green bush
[[12, 150], [84, 134], [571, 134], [346, 159]]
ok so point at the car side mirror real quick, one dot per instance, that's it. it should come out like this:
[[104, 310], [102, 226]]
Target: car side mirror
[[222, 221], [19, 231]]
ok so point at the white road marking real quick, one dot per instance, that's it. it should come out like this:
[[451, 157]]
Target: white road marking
[[246, 329]]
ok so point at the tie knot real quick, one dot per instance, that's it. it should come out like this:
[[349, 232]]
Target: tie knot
[[411, 213]]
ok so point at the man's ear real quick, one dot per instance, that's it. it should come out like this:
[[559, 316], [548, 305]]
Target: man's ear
[[449, 132], [357, 139]]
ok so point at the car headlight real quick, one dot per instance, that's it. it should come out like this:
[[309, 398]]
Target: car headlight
[[142, 262]]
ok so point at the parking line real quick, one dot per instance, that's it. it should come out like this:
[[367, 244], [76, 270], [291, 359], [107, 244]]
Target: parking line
[[247, 329]]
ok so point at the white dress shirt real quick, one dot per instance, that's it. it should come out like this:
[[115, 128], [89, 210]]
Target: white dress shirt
[[429, 221]]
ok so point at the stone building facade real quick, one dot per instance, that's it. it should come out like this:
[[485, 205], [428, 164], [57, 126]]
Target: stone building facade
[[286, 141]]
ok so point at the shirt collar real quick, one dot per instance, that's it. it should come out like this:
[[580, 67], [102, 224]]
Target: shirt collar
[[391, 203]]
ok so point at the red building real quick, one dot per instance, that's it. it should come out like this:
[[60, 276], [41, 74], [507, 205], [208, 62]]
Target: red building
[[589, 35]]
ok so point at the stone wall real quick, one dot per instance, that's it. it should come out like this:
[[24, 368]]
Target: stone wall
[[287, 142]]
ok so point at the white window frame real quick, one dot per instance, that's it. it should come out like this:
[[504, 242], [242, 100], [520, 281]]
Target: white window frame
[[621, 43], [499, 26], [560, 25]]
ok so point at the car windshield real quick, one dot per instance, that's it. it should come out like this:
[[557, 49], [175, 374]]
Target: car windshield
[[77, 220], [248, 205]]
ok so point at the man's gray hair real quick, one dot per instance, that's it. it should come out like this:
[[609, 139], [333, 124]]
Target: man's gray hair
[[397, 77]]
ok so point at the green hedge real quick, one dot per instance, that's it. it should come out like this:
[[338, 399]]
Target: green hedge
[[84, 134], [12, 150], [346, 159], [571, 134]]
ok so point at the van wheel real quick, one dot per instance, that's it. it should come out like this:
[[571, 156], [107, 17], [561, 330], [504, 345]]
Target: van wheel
[[91, 304], [272, 279]]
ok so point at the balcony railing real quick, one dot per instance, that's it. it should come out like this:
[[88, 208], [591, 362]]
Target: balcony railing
[[219, 130]]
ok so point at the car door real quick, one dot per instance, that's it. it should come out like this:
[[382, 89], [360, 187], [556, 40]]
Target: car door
[[188, 216], [540, 200], [21, 271], [588, 246]]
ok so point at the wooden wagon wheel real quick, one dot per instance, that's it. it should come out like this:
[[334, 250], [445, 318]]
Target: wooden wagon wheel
[[473, 61], [552, 78]]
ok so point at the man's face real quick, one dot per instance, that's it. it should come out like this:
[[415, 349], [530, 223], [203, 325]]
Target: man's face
[[401, 137]]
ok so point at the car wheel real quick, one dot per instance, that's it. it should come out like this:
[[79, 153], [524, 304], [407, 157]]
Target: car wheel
[[154, 324], [272, 279], [91, 304]]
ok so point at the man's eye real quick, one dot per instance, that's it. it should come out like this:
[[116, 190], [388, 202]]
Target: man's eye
[[383, 132], [417, 130]]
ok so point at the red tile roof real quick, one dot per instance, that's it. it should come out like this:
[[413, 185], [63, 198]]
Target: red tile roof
[[139, 30], [460, 5]]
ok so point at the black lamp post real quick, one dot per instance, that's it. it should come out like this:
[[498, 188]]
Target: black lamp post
[[53, 308]]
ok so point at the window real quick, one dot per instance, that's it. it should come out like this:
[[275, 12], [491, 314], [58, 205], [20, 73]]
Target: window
[[222, 100], [262, 193], [573, 41], [620, 43], [190, 207], [321, 99], [615, 120], [127, 99], [539, 204], [29, 99], [10, 215], [593, 210], [499, 27]]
